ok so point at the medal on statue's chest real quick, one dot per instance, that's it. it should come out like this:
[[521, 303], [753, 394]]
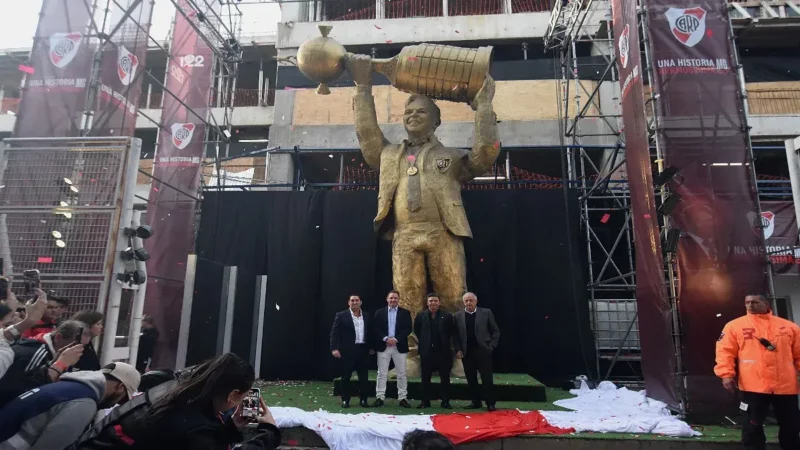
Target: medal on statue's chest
[[412, 171]]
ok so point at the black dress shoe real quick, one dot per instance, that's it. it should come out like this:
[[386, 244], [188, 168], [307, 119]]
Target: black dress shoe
[[491, 408], [474, 405], [404, 403], [378, 403], [424, 405], [363, 403], [345, 403], [446, 405]]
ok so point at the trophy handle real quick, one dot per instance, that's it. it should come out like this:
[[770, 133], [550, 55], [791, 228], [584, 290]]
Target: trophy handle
[[385, 66]]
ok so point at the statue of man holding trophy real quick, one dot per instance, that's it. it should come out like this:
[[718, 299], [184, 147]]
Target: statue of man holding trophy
[[419, 200]]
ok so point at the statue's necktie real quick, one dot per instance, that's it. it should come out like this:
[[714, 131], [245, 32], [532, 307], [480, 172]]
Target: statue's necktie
[[414, 187]]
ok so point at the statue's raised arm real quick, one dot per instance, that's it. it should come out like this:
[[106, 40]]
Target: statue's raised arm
[[486, 145], [370, 136]]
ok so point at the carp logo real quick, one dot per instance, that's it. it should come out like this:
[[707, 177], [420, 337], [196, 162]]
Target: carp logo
[[766, 223], [687, 25], [624, 46], [182, 134], [127, 63], [64, 47]]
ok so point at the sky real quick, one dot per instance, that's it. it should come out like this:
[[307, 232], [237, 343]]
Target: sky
[[18, 23]]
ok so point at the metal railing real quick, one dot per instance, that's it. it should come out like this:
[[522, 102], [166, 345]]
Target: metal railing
[[242, 98], [404, 9]]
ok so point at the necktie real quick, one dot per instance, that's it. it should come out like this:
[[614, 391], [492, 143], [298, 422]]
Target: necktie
[[414, 187]]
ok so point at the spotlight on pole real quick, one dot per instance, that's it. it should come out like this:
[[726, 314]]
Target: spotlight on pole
[[669, 204], [129, 254], [673, 236], [69, 187], [132, 277], [142, 231], [664, 177]]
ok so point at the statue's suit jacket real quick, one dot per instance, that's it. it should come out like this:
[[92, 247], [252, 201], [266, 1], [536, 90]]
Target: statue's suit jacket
[[445, 169]]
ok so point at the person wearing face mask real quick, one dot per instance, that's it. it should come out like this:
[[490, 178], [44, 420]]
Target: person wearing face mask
[[51, 417], [194, 413]]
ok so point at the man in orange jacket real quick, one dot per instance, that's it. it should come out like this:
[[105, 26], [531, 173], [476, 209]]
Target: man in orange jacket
[[763, 352]]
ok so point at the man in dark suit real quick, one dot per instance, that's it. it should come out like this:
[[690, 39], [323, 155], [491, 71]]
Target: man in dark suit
[[391, 326], [350, 344], [477, 338], [434, 329]]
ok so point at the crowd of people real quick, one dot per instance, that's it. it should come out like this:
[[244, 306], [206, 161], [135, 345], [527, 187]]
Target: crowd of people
[[54, 394]]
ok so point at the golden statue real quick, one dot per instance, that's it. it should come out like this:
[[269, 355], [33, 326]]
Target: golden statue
[[419, 200]]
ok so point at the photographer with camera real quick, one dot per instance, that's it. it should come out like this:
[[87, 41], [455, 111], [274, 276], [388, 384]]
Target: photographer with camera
[[762, 351], [10, 331]]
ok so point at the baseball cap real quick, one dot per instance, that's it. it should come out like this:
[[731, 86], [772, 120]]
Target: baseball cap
[[126, 374]]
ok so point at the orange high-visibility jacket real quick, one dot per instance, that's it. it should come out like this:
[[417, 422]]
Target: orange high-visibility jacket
[[760, 370]]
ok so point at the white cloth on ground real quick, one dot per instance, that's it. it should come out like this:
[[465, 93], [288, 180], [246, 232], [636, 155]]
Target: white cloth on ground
[[366, 431], [611, 410], [603, 410]]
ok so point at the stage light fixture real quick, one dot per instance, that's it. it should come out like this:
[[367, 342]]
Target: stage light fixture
[[142, 231], [665, 176], [669, 204], [129, 254], [132, 277], [71, 188], [673, 236]]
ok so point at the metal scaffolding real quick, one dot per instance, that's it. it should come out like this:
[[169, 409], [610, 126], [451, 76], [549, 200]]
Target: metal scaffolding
[[604, 198]]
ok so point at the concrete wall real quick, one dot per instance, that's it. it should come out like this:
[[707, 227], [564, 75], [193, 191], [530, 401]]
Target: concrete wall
[[419, 29]]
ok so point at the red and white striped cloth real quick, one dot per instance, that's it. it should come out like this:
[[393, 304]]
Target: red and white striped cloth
[[603, 410]]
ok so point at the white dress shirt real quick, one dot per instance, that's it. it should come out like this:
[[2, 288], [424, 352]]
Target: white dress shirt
[[392, 323], [358, 323]]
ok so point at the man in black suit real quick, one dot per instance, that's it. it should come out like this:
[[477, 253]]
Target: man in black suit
[[392, 325], [477, 338], [350, 344], [434, 330]]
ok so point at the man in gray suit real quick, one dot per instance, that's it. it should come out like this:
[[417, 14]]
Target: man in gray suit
[[475, 341]]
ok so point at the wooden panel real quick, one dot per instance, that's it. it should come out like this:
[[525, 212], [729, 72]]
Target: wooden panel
[[514, 100]]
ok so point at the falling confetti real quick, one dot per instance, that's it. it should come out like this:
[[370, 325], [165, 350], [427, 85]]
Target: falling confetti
[[605, 218], [389, 41], [278, 308], [719, 315], [379, 28], [647, 216]]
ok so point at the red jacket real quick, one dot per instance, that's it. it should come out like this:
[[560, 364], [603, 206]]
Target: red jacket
[[739, 353], [40, 328]]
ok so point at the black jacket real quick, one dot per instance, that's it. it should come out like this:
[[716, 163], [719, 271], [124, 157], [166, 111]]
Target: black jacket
[[422, 329], [343, 332], [147, 346], [28, 371], [200, 429], [89, 359], [402, 328], [486, 331]]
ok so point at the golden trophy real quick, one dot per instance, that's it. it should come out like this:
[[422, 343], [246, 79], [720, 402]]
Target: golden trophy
[[438, 71]]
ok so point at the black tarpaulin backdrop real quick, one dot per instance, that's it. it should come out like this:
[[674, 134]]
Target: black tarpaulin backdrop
[[318, 247]]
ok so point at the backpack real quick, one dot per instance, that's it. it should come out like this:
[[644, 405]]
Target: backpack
[[114, 431]]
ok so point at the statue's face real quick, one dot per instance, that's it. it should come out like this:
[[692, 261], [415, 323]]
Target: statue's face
[[418, 117]]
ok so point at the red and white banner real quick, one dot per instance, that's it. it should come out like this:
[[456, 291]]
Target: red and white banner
[[122, 70], [54, 95], [780, 231], [176, 178], [652, 303], [703, 133]]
